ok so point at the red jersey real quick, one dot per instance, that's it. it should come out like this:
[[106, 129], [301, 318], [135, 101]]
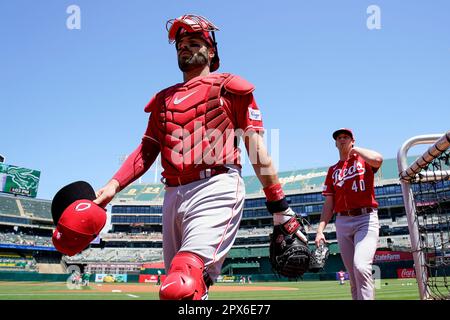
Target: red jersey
[[195, 129], [351, 182]]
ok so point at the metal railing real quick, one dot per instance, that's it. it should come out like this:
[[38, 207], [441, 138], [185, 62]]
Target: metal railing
[[407, 174]]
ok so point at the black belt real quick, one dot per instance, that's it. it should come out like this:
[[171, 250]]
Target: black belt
[[203, 174]]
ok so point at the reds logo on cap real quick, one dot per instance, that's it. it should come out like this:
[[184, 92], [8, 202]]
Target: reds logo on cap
[[82, 206]]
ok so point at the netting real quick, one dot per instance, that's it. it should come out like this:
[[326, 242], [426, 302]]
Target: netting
[[431, 194]]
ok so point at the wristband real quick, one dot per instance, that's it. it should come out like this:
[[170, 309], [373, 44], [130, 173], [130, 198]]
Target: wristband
[[274, 192], [277, 206]]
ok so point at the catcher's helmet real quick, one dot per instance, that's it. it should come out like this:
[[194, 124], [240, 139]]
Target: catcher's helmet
[[191, 23]]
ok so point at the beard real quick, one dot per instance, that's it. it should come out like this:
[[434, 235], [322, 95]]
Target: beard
[[195, 61]]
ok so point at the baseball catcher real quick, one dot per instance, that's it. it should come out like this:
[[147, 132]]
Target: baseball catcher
[[196, 126]]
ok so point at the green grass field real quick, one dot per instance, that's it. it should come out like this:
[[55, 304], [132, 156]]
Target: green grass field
[[389, 289]]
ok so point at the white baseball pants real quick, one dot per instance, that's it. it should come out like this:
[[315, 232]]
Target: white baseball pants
[[358, 238], [203, 217]]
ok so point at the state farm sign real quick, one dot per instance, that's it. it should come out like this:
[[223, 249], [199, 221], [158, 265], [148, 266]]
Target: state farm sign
[[391, 256], [406, 273]]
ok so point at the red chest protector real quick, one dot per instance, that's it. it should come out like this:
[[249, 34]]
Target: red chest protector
[[194, 129]]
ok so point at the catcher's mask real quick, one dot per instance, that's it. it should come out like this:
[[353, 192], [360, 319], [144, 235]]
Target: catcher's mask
[[191, 23]]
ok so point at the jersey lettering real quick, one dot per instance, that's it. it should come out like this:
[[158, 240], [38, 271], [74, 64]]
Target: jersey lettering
[[351, 182], [362, 186], [340, 175]]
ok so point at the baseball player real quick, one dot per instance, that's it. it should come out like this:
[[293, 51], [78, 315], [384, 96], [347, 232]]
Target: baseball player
[[349, 193], [196, 126], [341, 275], [85, 279], [158, 280]]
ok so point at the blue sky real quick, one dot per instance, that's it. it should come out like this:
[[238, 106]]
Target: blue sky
[[72, 100]]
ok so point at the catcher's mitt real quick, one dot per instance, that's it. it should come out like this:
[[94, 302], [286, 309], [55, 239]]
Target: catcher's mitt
[[289, 256]]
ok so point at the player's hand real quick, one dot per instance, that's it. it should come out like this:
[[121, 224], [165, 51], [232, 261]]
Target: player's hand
[[291, 224], [354, 151], [107, 193], [320, 237]]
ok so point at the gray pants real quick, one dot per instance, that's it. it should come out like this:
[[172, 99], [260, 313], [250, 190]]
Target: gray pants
[[358, 238], [203, 217]]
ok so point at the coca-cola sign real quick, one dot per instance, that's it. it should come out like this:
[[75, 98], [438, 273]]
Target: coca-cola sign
[[406, 273]]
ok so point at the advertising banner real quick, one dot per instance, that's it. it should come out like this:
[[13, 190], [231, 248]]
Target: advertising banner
[[110, 278], [406, 273], [20, 181], [392, 256], [144, 278], [24, 247], [227, 279], [152, 278]]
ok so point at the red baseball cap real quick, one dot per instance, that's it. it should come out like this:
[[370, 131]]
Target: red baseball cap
[[77, 218], [342, 130]]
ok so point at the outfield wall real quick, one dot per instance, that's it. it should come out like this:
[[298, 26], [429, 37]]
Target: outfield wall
[[262, 273], [32, 276]]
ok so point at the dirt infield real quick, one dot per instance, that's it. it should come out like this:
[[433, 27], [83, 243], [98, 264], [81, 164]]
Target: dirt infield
[[390, 289], [154, 288], [141, 288]]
